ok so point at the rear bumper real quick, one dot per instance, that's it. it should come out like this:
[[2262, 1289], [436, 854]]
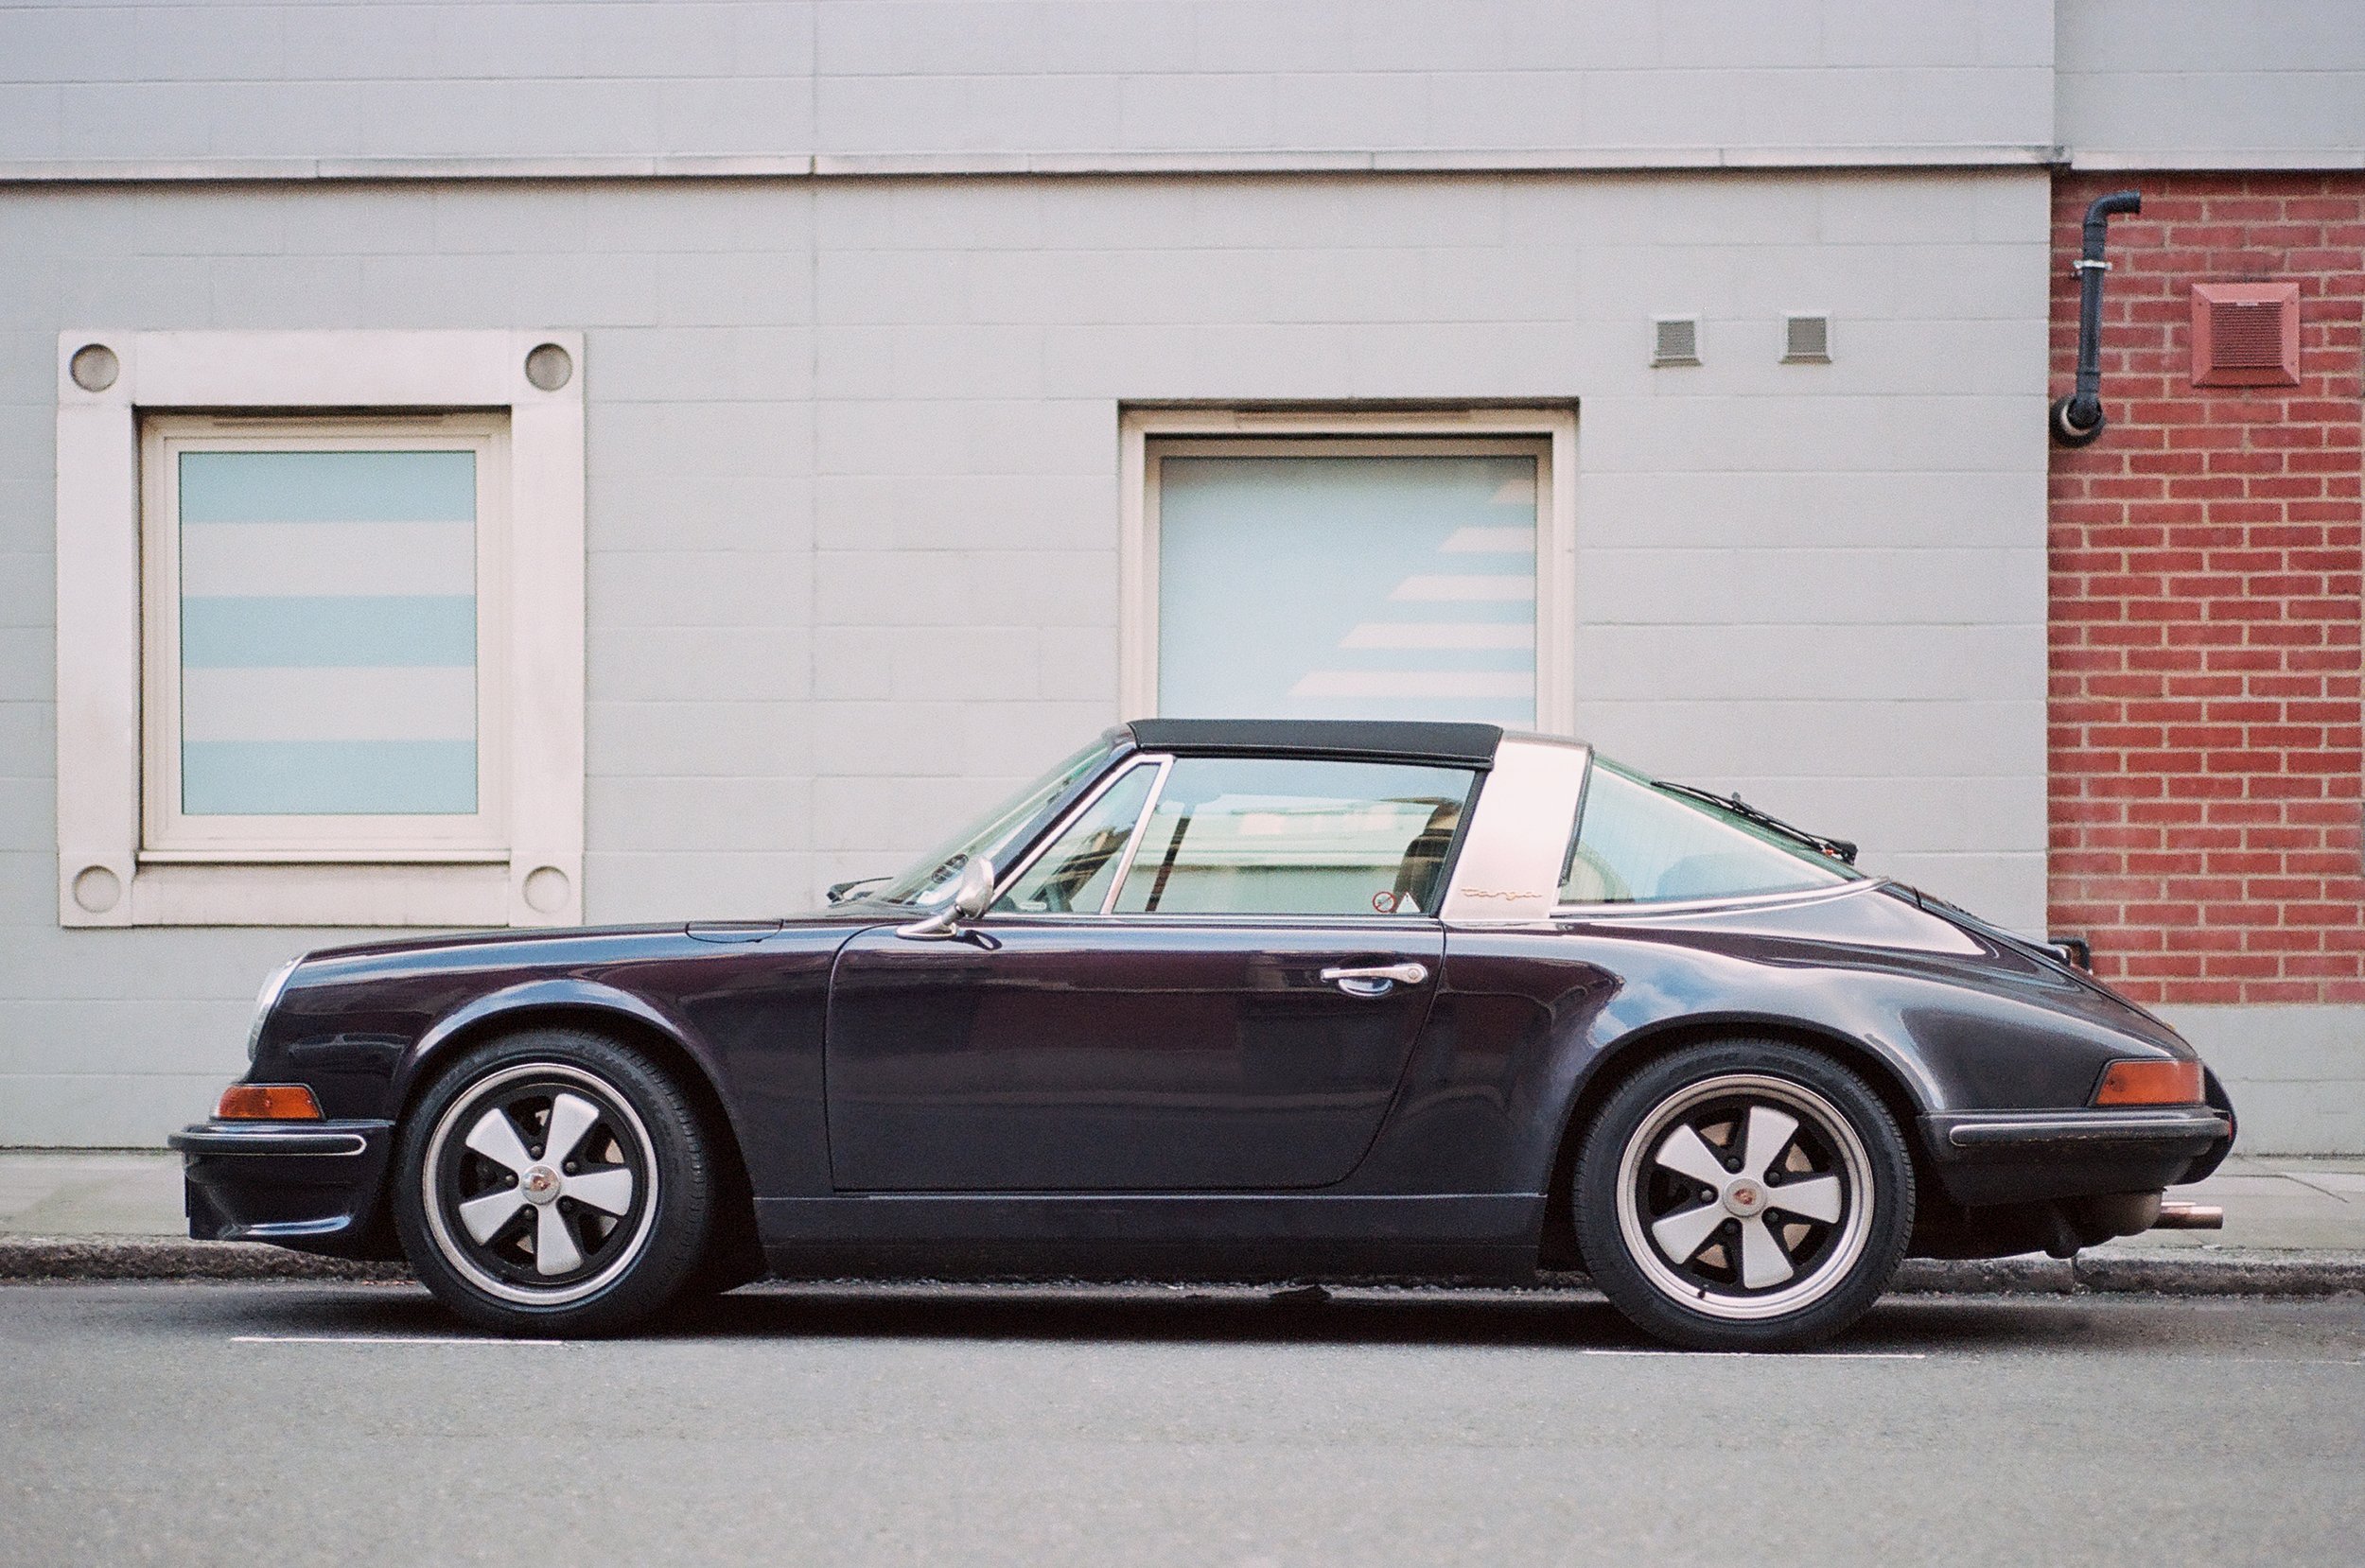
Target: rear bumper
[[2018, 1156], [309, 1185]]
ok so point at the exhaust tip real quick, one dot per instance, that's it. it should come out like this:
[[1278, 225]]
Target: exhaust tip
[[2190, 1216]]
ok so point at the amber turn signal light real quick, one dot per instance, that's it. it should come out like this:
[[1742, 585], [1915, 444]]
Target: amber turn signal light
[[2150, 1083], [267, 1103]]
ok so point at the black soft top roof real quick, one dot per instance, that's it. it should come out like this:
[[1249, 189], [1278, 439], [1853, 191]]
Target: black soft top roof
[[1471, 745]]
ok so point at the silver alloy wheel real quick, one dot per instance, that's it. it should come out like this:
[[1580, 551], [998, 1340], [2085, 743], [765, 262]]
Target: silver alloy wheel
[[540, 1184], [1745, 1196]]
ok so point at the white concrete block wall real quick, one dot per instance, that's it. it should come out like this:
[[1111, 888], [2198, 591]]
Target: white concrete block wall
[[1824, 585], [2211, 83], [2296, 1075], [853, 509], [700, 568], [178, 79]]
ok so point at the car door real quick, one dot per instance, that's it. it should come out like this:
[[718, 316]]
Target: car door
[[1209, 979]]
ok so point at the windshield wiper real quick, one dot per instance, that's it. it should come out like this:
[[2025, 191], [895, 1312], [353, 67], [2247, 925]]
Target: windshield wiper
[[1839, 849], [838, 891]]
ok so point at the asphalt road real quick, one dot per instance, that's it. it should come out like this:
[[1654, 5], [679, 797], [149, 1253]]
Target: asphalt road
[[246, 1424]]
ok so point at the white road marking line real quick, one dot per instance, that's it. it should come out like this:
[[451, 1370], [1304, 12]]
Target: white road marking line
[[380, 1339], [1777, 1355], [2278, 1361]]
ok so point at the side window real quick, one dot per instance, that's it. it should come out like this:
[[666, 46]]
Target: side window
[[1077, 872], [1637, 844], [1273, 836]]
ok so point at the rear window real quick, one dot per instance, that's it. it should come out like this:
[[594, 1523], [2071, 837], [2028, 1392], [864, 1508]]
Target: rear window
[[1637, 844]]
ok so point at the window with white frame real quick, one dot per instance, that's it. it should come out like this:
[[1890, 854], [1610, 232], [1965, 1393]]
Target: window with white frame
[[320, 645], [1346, 568], [322, 614]]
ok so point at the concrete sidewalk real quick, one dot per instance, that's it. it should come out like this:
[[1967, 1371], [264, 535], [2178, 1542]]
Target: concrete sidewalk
[[2290, 1224], [90, 1193]]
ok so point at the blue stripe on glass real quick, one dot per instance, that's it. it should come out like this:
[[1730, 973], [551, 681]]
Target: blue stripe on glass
[[328, 487], [1435, 658], [302, 632], [328, 778]]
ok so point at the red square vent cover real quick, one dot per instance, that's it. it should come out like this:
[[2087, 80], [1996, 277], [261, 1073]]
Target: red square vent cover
[[2246, 335]]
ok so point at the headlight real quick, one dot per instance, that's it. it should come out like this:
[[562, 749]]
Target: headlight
[[265, 999]]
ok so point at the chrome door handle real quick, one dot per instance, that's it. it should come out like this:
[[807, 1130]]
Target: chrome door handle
[[1373, 980]]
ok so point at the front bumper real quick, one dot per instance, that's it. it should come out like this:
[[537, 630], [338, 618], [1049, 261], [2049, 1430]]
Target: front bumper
[[310, 1185], [2020, 1157]]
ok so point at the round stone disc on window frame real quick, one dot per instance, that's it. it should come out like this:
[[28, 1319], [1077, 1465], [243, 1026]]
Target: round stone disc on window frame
[[549, 367], [95, 367], [97, 889]]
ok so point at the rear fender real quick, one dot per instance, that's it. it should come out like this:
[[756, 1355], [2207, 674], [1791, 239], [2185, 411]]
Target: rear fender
[[1890, 1073]]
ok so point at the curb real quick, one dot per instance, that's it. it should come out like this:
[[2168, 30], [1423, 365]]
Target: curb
[[101, 1258], [71, 1258], [2151, 1274]]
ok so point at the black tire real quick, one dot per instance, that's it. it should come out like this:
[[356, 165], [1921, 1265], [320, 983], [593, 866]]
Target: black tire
[[1679, 1192], [594, 1244]]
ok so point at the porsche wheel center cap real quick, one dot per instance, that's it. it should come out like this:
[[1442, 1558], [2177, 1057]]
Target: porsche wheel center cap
[[539, 1185], [1743, 1198]]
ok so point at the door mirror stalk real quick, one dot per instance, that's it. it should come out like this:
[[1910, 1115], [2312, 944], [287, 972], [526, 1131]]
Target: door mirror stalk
[[971, 897]]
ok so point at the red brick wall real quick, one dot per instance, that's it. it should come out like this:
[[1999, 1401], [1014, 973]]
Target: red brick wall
[[2205, 705]]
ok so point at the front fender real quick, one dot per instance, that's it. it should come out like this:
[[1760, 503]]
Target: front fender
[[557, 1000]]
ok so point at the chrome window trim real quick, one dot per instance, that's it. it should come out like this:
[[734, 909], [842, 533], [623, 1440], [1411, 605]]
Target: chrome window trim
[[1310, 922], [1133, 840], [1005, 880], [1633, 908]]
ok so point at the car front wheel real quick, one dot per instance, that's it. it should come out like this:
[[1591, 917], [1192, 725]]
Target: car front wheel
[[1743, 1195], [553, 1181]]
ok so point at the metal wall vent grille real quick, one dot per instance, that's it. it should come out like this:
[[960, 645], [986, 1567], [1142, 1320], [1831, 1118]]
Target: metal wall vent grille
[[1675, 341], [1806, 340], [2246, 335]]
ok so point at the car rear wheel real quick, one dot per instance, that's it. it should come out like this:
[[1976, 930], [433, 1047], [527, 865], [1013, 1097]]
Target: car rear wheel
[[1747, 1194], [553, 1181]]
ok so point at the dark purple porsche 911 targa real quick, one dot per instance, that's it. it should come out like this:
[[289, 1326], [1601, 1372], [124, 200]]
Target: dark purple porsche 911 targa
[[1233, 1000]]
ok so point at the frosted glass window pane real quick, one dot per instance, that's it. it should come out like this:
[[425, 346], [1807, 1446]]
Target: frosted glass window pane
[[328, 633], [1347, 587]]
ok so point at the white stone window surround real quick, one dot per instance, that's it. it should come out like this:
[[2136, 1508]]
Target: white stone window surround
[[1143, 430], [106, 876]]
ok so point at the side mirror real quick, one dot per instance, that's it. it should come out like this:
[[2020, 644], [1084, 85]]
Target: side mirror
[[971, 897], [973, 894]]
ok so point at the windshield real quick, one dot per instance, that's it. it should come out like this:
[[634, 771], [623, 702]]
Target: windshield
[[1638, 842], [930, 879]]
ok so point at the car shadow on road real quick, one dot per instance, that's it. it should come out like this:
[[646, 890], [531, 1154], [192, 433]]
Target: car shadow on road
[[1564, 1319]]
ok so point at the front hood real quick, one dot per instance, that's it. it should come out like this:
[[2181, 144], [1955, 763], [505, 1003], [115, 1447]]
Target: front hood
[[471, 946], [465, 940]]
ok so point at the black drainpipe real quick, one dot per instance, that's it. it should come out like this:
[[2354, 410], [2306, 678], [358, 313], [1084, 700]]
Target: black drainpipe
[[2078, 418]]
